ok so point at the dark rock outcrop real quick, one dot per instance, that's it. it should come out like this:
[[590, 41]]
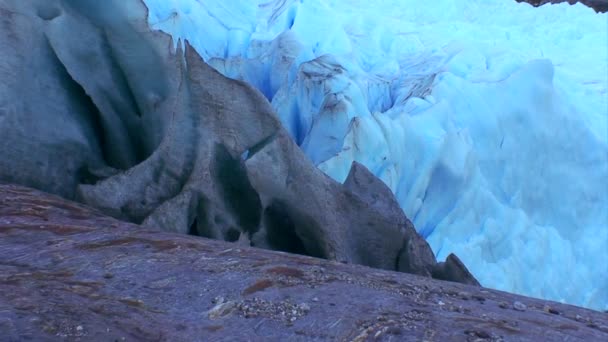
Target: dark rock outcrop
[[69, 273], [415, 255], [453, 270], [47, 122], [97, 107], [599, 6]]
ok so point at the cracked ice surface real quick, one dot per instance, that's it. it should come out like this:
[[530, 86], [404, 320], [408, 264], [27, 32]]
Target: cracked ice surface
[[486, 118]]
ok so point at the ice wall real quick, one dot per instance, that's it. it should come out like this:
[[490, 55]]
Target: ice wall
[[487, 118]]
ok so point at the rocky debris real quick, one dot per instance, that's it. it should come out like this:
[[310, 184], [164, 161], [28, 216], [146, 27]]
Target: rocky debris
[[599, 6], [118, 119], [68, 272], [550, 310], [519, 306]]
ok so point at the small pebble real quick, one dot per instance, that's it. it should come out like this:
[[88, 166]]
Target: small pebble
[[503, 305], [441, 303], [479, 298], [79, 328], [519, 306]]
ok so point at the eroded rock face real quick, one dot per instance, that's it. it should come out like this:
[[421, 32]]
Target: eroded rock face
[[67, 272], [119, 120]]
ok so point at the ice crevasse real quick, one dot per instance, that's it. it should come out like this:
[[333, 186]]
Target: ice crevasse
[[488, 119]]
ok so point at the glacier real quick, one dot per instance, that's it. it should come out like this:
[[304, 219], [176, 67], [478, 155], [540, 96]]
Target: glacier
[[488, 119]]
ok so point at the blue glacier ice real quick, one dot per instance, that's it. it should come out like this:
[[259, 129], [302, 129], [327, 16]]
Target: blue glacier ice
[[488, 119]]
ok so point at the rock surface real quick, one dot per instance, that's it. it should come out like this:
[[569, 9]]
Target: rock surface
[[453, 270], [70, 273], [119, 120], [597, 5]]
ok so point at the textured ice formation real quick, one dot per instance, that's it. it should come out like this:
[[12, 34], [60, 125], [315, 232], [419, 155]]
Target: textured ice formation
[[486, 118]]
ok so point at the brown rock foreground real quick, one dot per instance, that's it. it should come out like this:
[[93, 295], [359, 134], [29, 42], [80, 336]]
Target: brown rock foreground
[[69, 273]]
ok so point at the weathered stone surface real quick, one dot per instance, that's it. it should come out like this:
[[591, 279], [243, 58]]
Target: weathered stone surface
[[121, 121], [69, 273]]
